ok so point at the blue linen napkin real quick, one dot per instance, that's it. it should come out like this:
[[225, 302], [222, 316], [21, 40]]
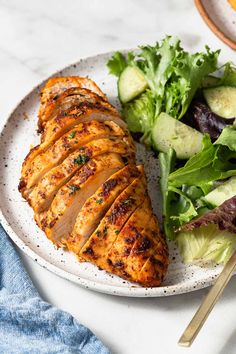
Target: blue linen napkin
[[30, 325]]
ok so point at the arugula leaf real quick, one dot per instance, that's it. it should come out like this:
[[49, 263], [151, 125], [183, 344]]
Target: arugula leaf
[[116, 64]]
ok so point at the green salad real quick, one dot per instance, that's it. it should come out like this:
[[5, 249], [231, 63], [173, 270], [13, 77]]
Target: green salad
[[184, 107]]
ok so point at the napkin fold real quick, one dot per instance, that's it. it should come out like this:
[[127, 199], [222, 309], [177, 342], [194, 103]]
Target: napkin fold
[[30, 325]]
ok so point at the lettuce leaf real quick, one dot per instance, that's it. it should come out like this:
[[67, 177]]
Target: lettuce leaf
[[224, 216], [139, 115], [228, 138], [224, 76], [116, 64], [229, 75], [167, 162], [206, 244], [178, 206], [173, 77], [214, 162], [184, 209], [183, 188], [200, 117]]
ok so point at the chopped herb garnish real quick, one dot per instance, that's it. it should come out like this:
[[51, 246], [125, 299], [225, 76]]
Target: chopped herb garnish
[[73, 189], [117, 232], [98, 233], [81, 159], [99, 201], [127, 201], [72, 135]]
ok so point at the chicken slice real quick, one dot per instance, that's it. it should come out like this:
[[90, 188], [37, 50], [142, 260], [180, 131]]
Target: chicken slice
[[83, 133], [74, 96], [60, 218], [154, 270], [98, 245], [97, 205], [139, 253], [42, 195], [127, 238], [62, 123], [55, 131], [149, 256], [57, 85]]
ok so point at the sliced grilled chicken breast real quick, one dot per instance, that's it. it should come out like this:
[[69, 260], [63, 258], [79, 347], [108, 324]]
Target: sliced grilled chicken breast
[[128, 236], [42, 195], [81, 134], [98, 245], [86, 191], [134, 253], [61, 124], [148, 259], [60, 219], [57, 85], [154, 271], [73, 97], [97, 205]]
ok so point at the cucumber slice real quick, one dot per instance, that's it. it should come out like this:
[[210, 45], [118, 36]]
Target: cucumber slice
[[171, 133], [131, 83], [222, 100], [220, 194]]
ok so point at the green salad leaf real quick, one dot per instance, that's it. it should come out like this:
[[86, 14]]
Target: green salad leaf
[[224, 76], [206, 244], [211, 164], [167, 162], [116, 64], [173, 76], [140, 113], [228, 138], [183, 209], [183, 189], [228, 77]]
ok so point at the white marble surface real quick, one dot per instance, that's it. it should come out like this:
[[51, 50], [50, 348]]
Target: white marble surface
[[37, 38]]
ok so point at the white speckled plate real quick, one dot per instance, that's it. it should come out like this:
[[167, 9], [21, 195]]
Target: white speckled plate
[[18, 134]]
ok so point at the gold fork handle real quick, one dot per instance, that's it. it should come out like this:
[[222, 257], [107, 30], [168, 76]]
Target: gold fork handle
[[208, 303]]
